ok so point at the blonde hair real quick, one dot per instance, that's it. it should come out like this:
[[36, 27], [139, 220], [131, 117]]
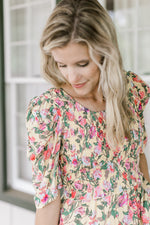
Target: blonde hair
[[83, 21]]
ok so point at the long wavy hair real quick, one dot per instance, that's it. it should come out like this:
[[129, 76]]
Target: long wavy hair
[[87, 22]]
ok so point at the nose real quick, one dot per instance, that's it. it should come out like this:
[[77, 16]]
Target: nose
[[73, 75]]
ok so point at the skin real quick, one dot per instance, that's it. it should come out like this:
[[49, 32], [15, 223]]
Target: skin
[[49, 215], [78, 68]]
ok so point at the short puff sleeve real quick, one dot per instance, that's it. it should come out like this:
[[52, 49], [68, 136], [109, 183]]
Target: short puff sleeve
[[43, 149], [139, 94], [140, 91]]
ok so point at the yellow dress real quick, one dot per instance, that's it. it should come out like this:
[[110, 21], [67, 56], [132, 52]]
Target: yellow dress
[[69, 152]]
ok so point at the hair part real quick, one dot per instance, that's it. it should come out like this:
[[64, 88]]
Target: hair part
[[87, 22]]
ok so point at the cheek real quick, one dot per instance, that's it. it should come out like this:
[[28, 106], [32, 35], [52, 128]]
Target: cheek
[[63, 72], [94, 73]]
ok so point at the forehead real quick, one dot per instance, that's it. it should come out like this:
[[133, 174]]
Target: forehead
[[72, 52]]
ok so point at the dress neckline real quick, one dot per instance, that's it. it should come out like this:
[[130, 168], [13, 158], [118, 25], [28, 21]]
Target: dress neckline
[[76, 102]]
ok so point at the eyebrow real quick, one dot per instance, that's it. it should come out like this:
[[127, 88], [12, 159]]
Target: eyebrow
[[81, 61]]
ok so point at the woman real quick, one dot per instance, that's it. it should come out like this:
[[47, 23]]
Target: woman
[[87, 134]]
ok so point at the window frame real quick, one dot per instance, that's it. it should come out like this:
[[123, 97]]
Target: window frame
[[7, 194]]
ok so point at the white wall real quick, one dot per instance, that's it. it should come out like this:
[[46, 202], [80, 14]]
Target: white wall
[[13, 215]]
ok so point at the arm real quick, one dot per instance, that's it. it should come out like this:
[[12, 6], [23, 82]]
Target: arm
[[144, 167], [49, 215]]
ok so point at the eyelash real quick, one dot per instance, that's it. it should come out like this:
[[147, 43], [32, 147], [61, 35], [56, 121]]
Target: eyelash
[[83, 65]]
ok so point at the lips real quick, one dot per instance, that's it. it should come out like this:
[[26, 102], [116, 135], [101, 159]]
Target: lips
[[78, 85]]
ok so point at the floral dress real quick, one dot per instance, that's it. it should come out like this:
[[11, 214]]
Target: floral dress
[[69, 152]]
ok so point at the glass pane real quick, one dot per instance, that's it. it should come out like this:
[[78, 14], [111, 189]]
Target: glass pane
[[144, 13], [17, 2], [126, 44], [35, 61], [27, 91], [144, 55], [40, 14], [25, 167], [18, 25], [21, 130], [124, 13], [18, 61]]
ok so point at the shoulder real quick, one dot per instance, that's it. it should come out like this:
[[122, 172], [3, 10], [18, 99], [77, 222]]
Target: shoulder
[[138, 91], [44, 105]]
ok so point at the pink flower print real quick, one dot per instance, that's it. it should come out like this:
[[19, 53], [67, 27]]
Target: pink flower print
[[107, 185], [59, 102], [32, 157], [133, 203], [78, 185], [123, 199], [40, 176], [145, 220], [133, 146], [140, 106], [83, 170], [94, 222], [72, 131], [82, 121], [92, 131], [95, 164], [86, 197], [75, 162], [119, 159], [127, 220], [48, 153], [57, 148], [110, 167], [36, 119], [81, 132], [108, 199], [45, 198], [51, 165], [101, 135], [98, 148], [142, 94], [32, 139], [44, 113], [66, 134], [40, 149], [86, 161], [127, 164], [58, 112], [89, 188], [69, 177], [70, 116], [100, 119], [78, 107], [80, 211], [137, 78], [42, 126], [97, 174]]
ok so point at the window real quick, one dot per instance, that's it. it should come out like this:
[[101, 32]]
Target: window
[[23, 23]]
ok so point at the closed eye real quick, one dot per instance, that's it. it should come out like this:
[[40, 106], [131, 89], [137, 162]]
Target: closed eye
[[61, 65], [83, 65]]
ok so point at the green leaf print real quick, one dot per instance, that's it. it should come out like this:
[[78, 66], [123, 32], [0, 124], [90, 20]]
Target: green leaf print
[[78, 216], [101, 207], [78, 140], [103, 216], [88, 145], [37, 130], [78, 222], [146, 205]]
